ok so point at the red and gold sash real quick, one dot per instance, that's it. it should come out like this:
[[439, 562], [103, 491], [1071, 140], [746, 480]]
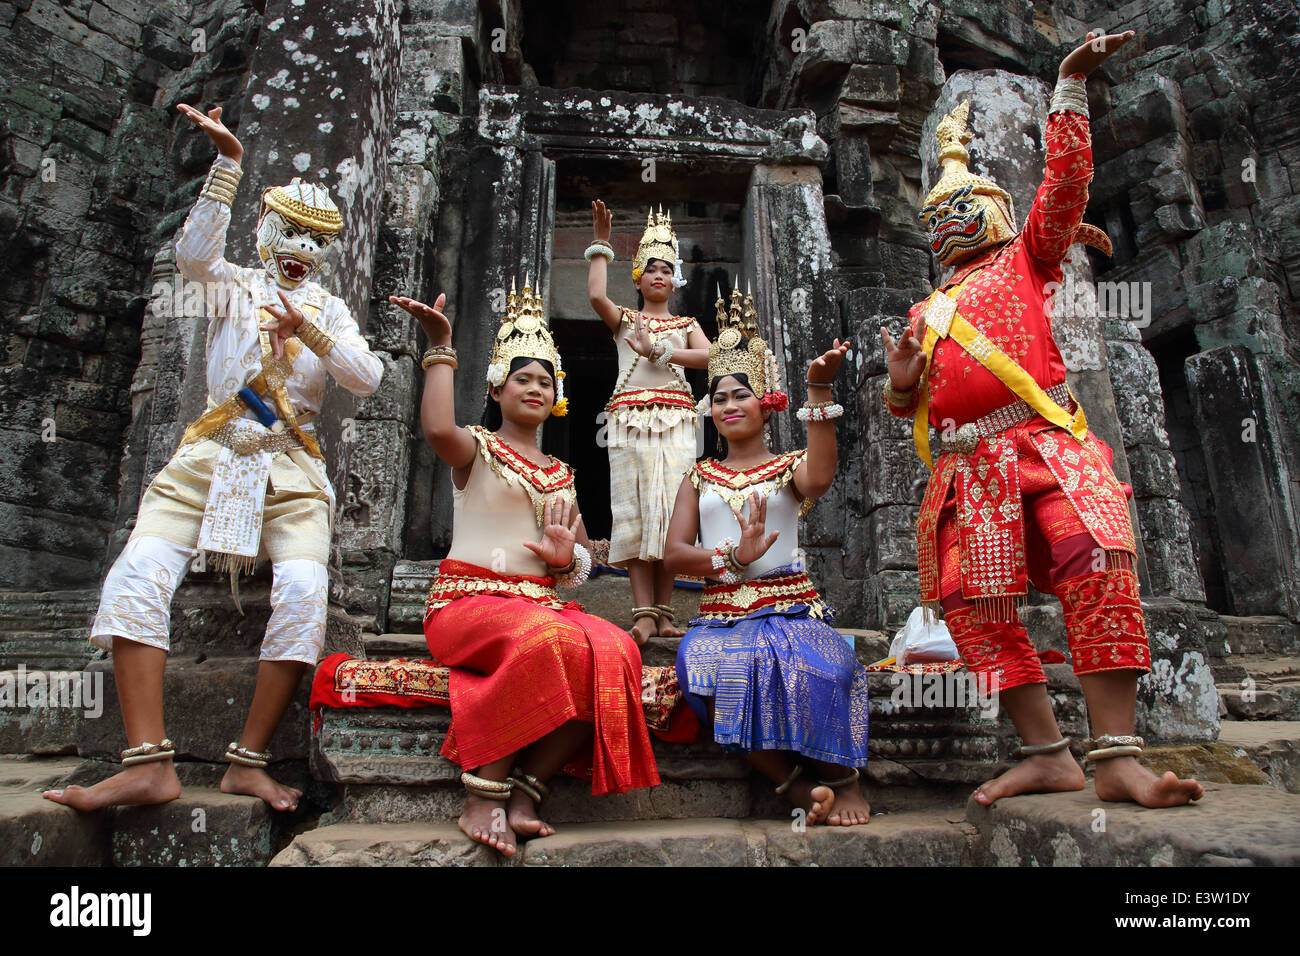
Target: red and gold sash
[[731, 601], [458, 579]]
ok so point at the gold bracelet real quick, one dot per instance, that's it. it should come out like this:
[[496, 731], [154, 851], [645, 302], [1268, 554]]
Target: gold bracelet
[[315, 338], [439, 355], [899, 399]]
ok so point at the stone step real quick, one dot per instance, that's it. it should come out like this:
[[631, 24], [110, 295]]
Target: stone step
[[1271, 745], [204, 827], [1232, 825], [1263, 634], [41, 710], [870, 646], [1259, 687], [205, 703], [36, 832], [918, 838]]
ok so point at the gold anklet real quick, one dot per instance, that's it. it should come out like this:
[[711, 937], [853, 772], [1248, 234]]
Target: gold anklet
[[781, 788], [532, 786], [485, 788], [1037, 750], [1106, 753], [148, 753], [247, 758], [843, 781]]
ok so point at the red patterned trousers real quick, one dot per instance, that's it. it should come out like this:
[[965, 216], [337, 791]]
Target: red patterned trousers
[[1099, 596]]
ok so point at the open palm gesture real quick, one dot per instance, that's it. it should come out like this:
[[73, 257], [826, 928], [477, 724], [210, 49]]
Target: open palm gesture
[[227, 143], [558, 535], [436, 325], [754, 539]]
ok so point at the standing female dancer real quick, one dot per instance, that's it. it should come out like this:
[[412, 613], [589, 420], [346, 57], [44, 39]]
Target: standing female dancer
[[783, 683], [535, 683], [651, 417]]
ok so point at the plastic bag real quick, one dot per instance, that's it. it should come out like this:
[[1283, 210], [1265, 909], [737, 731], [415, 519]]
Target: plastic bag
[[920, 640]]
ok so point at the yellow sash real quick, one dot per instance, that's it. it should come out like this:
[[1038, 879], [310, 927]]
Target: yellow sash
[[941, 320], [272, 379]]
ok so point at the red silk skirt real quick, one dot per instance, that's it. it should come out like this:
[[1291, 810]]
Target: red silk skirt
[[520, 670]]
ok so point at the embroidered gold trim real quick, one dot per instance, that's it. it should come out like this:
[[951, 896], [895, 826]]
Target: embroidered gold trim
[[542, 484]]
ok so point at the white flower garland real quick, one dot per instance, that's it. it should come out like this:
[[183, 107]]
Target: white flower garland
[[596, 249], [581, 569], [663, 357], [720, 563], [819, 413]]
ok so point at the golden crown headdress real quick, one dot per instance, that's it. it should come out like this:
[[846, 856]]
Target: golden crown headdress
[[952, 137], [740, 349], [305, 204], [658, 242], [524, 332]]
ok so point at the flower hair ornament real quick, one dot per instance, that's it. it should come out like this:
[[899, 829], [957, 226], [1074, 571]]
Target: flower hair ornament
[[524, 333], [658, 242], [737, 324]]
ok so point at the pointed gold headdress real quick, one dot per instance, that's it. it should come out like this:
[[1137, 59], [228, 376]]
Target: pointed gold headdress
[[739, 349], [658, 242], [524, 332]]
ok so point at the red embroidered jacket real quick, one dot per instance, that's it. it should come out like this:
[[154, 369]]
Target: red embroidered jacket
[[1004, 291]]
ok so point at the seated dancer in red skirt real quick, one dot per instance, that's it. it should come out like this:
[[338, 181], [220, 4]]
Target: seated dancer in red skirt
[[536, 684]]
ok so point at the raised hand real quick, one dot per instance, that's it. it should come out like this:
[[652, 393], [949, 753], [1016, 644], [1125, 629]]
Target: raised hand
[[602, 220], [640, 340], [436, 325], [558, 535], [1094, 51], [289, 319], [227, 143], [822, 370], [905, 359], [754, 541]]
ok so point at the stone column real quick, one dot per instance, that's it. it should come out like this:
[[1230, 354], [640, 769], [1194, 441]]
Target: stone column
[[787, 260], [1249, 477]]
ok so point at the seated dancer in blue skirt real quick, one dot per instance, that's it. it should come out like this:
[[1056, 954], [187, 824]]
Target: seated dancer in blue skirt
[[761, 661]]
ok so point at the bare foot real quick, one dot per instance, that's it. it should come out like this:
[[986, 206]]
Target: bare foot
[[1123, 778], [815, 799], [256, 782], [143, 784], [642, 630], [521, 815], [668, 629], [485, 821], [851, 808], [1045, 773]]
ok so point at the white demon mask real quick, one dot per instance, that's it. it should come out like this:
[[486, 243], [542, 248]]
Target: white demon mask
[[298, 223]]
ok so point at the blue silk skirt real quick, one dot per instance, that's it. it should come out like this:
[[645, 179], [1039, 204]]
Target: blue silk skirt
[[780, 680]]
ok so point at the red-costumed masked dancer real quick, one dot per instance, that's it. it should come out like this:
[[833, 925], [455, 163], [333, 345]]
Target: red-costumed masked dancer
[[1022, 491], [536, 684]]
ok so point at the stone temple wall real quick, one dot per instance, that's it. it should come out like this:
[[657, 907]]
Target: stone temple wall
[[438, 127]]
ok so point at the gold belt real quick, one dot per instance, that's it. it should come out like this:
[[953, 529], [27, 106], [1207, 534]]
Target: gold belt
[[247, 441], [967, 437]]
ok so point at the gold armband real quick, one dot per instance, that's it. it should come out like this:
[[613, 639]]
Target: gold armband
[[315, 338], [221, 183]]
